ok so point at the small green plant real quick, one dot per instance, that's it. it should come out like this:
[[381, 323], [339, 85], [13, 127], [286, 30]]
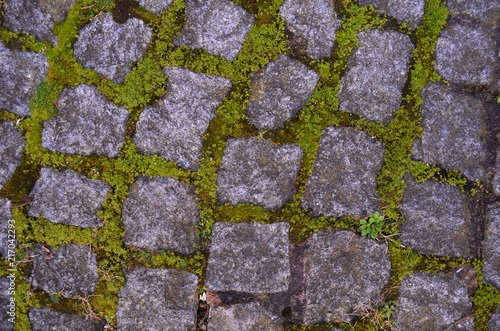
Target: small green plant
[[388, 309], [372, 227], [55, 297]]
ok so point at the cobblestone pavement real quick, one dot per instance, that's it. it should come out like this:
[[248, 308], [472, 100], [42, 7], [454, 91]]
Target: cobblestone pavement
[[250, 165]]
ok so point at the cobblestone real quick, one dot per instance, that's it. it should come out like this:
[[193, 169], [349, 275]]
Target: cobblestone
[[11, 146]]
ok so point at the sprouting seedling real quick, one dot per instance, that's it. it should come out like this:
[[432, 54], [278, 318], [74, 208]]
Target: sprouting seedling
[[373, 226]]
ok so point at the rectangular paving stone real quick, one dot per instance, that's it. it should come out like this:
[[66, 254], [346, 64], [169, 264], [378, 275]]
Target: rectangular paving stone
[[45, 319], [11, 146]]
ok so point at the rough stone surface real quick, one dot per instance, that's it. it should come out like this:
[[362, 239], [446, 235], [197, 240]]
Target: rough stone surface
[[482, 9], [466, 55], [249, 258], [36, 17], [111, 48], [437, 220], [494, 323], [174, 127], [258, 172], [491, 247], [496, 177], [21, 73], [5, 216], [454, 131], [70, 270], [242, 317], [44, 319], [216, 26], [343, 271], [157, 299], [68, 198], [315, 21], [11, 147], [86, 123], [5, 324], [279, 91], [441, 300], [161, 213], [344, 178], [407, 11], [155, 6], [376, 74]]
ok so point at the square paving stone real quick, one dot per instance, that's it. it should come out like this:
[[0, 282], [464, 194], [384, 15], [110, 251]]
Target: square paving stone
[[111, 48], [86, 123], [405, 11], [174, 126], [376, 74], [259, 172], [315, 21], [70, 270], [491, 247], [453, 131], [249, 257], [6, 317], [5, 217], [157, 299], [11, 147], [44, 319], [68, 198], [216, 26], [436, 220], [279, 91], [343, 272], [161, 213], [345, 172], [242, 317], [21, 73]]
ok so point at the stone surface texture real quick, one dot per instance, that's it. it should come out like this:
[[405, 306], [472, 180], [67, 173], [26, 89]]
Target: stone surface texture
[[161, 213], [481, 9], [5, 216], [343, 271], [111, 48], [5, 324], [21, 73], [344, 177], [249, 257], [405, 11], [155, 6], [68, 198], [437, 220], [454, 131], [494, 322], [441, 300], [11, 147], [174, 126], [157, 299], [242, 317], [86, 123], [258, 172], [491, 247], [45, 319], [70, 270], [216, 26], [279, 91], [36, 17], [315, 21], [376, 74]]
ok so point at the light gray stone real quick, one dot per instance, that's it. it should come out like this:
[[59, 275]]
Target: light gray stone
[[242, 317], [157, 299], [216, 26], [45, 319], [68, 198], [155, 6], [11, 147], [482, 9], [441, 300], [5, 217], [314, 20], [496, 177], [249, 257], [21, 73], [36, 17], [436, 220], [86, 123], [161, 213], [345, 171], [407, 11], [491, 247], [257, 171], [174, 126], [376, 74], [343, 271], [70, 270], [279, 91], [111, 48], [454, 131], [494, 323], [8, 306]]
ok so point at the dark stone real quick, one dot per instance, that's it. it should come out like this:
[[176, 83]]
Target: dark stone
[[157, 299], [242, 317], [487, 10], [155, 6], [249, 257], [344, 178], [6, 320], [68, 198], [44, 319], [5, 216], [491, 247], [11, 147], [174, 127], [86, 123], [257, 171], [405, 11]]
